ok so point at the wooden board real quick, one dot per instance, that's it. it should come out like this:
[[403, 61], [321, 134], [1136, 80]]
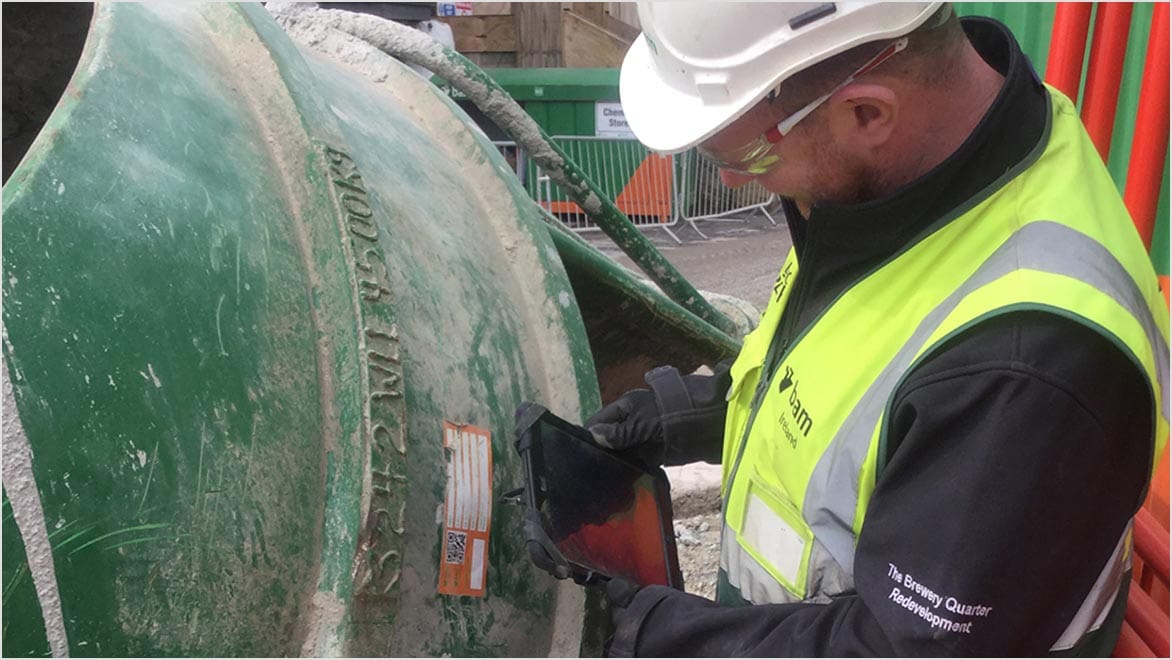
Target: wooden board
[[626, 31], [493, 60], [591, 11], [539, 36], [625, 12], [482, 34], [586, 44], [492, 8]]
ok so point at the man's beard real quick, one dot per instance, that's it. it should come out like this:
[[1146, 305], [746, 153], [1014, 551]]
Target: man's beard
[[858, 183]]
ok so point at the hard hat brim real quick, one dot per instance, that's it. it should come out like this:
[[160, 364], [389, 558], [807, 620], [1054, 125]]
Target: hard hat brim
[[661, 117], [668, 108]]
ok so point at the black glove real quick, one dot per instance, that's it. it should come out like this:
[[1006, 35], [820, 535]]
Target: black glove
[[679, 420], [631, 423], [619, 594]]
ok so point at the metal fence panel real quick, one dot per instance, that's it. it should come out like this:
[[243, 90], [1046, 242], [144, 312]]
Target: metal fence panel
[[652, 190], [640, 182], [703, 196]]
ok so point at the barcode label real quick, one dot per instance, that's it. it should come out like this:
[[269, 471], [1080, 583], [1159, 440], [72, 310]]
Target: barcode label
[[467, 510], [454, 549]]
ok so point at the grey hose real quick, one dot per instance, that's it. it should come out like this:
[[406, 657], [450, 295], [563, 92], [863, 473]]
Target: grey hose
[[415, 47]]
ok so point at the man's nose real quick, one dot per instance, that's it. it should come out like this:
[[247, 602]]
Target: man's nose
[[735, 179]]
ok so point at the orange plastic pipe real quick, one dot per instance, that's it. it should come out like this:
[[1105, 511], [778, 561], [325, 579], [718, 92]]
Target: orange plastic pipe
[[1130, 645], [1145, 171], [1158, 490], [1108, 48], [1148, 621], [1068, 45], [1151, 543]]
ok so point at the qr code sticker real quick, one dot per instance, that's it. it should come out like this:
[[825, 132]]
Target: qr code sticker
[[454, 548]]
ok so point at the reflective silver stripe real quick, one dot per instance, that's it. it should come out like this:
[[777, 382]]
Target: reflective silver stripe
[[757, 586], [832, 493], [1097, 606], [755, 583]]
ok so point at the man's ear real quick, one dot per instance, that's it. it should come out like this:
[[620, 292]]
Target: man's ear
[[863, 115]]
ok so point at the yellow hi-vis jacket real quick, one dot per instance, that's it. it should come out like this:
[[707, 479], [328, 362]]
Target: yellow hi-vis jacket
[[802, 451]]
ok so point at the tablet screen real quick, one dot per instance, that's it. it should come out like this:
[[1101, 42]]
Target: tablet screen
[[603, 513]]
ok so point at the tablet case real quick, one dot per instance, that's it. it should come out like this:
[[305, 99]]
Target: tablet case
[[593, 514]]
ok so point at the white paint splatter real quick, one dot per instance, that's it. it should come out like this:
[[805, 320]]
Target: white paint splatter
[[111, 379], [564, 299], [219, 335], [340, 113], [152, 376], [141, 458], [87, 379], [61, 188]]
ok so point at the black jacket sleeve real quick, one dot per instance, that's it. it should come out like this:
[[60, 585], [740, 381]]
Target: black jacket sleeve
[[1016, 456]]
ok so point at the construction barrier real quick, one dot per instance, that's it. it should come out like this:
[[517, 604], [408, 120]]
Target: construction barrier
[[652, 190], [703, 196], [640, 182]]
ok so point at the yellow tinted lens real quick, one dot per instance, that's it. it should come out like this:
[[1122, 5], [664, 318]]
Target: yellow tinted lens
[[746, 159], [762, 165], [752, 167]]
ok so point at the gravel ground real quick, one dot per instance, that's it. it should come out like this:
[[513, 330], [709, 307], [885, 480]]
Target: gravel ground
[[740, 258], [697, 528]]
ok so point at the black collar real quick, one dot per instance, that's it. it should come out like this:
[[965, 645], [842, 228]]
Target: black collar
[[1003, 141]]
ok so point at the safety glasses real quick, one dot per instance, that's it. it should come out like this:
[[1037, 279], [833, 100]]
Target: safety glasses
[[754, 158]]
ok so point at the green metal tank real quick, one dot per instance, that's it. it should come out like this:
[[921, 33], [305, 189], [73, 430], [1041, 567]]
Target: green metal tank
[[244, 287]]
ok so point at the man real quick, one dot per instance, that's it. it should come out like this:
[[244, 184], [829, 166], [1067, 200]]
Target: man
[[934, 442]]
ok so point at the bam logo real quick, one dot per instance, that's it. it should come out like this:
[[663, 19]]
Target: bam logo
[[782, 282], [797, 411]]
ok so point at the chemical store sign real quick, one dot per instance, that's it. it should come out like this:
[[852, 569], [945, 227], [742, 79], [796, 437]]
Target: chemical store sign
[[610, 122], [453, 9]]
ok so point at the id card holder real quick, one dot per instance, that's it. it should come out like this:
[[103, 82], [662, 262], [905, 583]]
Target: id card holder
[[776, 536]]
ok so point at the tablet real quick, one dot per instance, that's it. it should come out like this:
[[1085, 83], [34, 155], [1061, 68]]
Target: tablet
[[593, 514]]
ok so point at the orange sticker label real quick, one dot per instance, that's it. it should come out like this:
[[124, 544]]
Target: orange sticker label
[[467, 511]]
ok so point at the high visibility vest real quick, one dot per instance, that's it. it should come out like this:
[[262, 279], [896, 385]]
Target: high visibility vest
[[801, 455]]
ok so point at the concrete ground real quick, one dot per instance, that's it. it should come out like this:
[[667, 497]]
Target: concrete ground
[[741, 258]]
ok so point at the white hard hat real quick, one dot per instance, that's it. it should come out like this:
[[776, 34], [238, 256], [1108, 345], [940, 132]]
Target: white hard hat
[[699, 65]]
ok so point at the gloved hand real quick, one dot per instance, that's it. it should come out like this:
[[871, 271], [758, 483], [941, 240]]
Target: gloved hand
[[619, 594], [679, 420], [632, 424]]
